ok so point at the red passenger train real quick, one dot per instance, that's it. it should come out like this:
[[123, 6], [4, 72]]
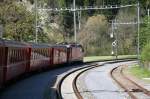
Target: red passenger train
[[19, 58]]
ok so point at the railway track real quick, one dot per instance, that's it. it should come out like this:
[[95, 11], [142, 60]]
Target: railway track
[[72, 80], [134, 90], [74, 84], [76, 74]]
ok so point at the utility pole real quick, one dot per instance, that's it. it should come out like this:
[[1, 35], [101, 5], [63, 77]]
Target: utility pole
[[116, 35], [112, 35], [114, 43], [36, 32], [74, 13], [79, 19], [138, 47], [148, 15]]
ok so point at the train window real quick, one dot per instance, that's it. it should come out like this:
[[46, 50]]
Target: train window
[[33, 54], [42, 52], [47, 52], [21, 55], [12, 54], [24, 50], [37, 53], [16, 55], [9, 55]]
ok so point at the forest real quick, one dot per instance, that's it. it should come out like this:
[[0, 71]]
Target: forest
[[94, 27]]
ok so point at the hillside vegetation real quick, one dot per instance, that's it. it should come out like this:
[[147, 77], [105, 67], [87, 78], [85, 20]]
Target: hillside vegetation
[[17, 22]]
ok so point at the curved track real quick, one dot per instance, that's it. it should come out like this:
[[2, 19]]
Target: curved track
[[74, 84], [70, 78], [76, 73], [135, 90]]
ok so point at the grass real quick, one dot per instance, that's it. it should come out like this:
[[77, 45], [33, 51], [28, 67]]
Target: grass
[[140, 72], [100, 58]]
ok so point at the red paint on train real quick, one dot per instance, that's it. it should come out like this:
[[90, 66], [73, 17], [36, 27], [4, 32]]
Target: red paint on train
[[20, 58]]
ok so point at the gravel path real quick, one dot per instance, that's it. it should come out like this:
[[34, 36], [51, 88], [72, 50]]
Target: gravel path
[[100, 84]]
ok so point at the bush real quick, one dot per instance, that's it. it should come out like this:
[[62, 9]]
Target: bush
[[144, 33], [145, 56], [146, 53]]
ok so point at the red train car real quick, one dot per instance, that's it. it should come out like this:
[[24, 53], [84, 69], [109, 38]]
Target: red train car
[[41, 56], [3, 61], [14, 59], [76, 53], [59, 54], [19, 58]]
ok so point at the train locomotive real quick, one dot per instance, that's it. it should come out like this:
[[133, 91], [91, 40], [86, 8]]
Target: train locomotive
[[18, 58]]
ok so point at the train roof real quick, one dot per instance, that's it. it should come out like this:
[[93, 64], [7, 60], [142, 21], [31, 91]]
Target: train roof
[[38, 45], [11, 43], [45, 45], [70, 44]]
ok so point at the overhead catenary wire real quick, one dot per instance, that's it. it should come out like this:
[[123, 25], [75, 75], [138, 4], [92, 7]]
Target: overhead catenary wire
[[88, 8]]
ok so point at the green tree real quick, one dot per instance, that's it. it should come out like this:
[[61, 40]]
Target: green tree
[[145, 56], [94, 36], [144, 33], [17, 21]]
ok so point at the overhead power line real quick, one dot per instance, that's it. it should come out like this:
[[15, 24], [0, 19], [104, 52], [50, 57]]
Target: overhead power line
[[124, 23], [88, 8]]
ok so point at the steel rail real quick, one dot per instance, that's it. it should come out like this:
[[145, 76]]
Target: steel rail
[[74, 84], [59, 95], [121, 85], [131, 94], [145, 91]]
